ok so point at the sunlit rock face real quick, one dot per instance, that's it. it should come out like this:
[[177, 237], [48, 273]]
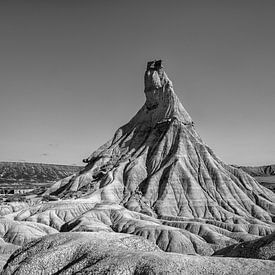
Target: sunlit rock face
[[158, 165], [154, 191]]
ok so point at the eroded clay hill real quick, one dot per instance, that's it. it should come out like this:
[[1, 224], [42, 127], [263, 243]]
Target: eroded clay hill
[[156, 180], [158, 165]]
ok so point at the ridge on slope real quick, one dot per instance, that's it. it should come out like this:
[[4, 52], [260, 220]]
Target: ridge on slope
[[262, 248], [158, 165]]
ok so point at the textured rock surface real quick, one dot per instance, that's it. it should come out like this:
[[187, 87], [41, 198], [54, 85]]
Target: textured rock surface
[[263, 248], [109, 253], [265, 175], [19, 233], [84, 216], [174, 235], [11, 207], [158, 181], [158, 165], [54, 214], [6, 249], [13, 234]]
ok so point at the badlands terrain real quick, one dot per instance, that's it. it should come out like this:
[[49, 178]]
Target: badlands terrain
[[154, 199], [20, 180], [265, 175], [15, 172]]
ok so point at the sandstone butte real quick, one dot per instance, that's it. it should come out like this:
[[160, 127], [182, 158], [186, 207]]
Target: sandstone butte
[[154, 199]]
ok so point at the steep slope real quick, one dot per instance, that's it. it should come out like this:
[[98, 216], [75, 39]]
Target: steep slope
[[156, 180], [13, 234], [158, 165]]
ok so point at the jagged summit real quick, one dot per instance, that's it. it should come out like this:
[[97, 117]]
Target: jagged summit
[[161, 101], [158, 165]]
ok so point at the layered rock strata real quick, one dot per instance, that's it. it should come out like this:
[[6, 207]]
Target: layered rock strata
[[158, 165], [157, 180]]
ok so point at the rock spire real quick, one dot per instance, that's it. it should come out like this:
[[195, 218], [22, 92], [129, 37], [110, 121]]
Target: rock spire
[[158, 165]]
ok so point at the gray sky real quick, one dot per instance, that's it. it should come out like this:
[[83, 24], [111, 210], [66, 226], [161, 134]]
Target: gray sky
[[71, 73]]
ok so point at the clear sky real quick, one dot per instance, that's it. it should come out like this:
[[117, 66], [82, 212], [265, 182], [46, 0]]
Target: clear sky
[[71, 73]]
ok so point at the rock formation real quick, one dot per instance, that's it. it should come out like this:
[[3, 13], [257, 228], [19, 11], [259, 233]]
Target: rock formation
[[158, 165], [157, 180], [263, 248], [114, 253]]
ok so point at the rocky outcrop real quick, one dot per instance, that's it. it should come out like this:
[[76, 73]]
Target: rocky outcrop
[[114, 253], [14, 234], [84, 216], [159, 182], [263, 248], [11, 207], [19, 233], [173, 235], [158, 165]]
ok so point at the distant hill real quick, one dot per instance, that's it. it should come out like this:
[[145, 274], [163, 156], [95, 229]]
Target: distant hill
[[259, 171], [16, 172], [265, 174]]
